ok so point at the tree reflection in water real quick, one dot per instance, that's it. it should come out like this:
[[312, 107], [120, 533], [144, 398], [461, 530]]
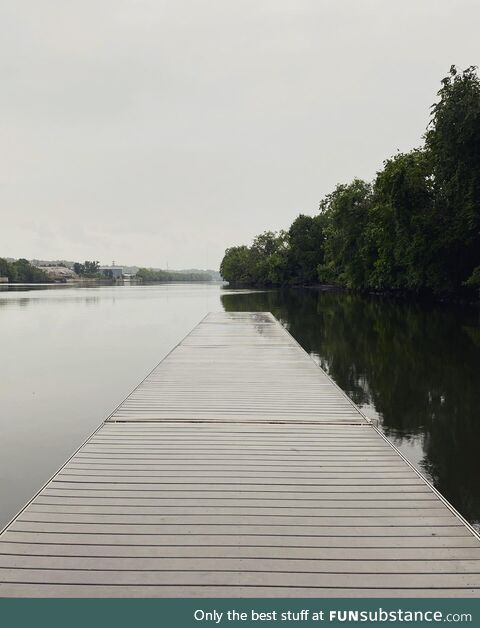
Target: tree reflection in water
[[416, 364]]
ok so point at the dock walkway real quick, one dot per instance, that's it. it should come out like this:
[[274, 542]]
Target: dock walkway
[[237, 468]]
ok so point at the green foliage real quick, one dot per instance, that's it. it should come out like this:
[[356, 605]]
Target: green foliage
[[147, 275], [346, 212], [474, 280], [454, 142], [269, 256], [237, 265], [264, 263], [416, 228], [306, 240], [89, 270], [401, 228], [21, 271], [4, 268]]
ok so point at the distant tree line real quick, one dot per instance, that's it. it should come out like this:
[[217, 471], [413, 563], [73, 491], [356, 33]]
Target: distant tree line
[[21, 271], [416, 227], [147, 275]]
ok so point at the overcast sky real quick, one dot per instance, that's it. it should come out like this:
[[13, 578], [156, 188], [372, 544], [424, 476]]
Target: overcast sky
[[163, 131]]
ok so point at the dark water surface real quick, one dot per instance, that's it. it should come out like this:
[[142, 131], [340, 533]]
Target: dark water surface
[[70, 355], [415, 368]]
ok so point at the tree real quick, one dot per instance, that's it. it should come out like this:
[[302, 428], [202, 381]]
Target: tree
[[87, 269], [5, 270], [402, 234], [453, 140], [21, 271], [237, 266], [306, 240], [91, 268], [269, 258], [264, 263], [416, 228], [346, 212]]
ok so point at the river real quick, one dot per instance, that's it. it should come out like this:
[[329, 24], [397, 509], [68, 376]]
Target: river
[[71, 354]]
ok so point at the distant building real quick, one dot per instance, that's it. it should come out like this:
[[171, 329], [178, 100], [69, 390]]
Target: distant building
[[58, 273], [112, 272], [3, 279]]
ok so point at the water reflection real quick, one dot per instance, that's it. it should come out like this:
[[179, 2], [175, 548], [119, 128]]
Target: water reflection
[[415, 366], [71, 357], [27, 301]]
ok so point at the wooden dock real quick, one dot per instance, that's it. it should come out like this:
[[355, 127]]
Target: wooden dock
[[237, 468]]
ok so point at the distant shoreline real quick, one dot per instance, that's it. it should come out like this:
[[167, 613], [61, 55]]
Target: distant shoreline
[[107, 282]]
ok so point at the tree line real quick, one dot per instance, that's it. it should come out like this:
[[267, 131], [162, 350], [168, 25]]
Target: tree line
[[21, 271], [151, 275], [415, 228]]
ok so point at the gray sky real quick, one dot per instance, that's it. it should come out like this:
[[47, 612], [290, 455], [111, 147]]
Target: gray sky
[[155, 131]]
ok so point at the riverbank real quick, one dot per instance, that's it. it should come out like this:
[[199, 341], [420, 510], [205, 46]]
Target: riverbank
[[467, 297]]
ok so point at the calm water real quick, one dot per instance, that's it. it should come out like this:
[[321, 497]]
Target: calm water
[[70, 355]]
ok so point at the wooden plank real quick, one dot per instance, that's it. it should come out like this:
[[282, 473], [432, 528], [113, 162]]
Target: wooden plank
[[320, 492], [222, 484], [220, 577], [214, 475], [147, 521], [300, 539], [297, 467], [362, 554], [275, 564], [225, 591], [247, 529], [234, 510], [327, 499]]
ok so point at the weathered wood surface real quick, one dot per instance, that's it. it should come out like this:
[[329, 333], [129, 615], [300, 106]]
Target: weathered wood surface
[[203, 508], [238, 367]]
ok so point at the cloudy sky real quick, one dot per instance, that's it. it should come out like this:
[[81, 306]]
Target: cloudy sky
[[158, 132]]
